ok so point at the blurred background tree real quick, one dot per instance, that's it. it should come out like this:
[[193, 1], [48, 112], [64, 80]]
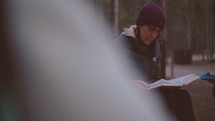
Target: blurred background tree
[[189, 25]]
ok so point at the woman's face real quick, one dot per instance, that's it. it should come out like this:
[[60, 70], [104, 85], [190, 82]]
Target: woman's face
[[148, 33]]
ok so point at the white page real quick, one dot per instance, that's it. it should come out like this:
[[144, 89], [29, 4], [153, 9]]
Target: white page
[[180, 81], [159, 83], [184, 80]]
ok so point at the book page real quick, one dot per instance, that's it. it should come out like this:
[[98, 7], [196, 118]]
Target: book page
[[184, 80], [190, 78], [180, 81], [161, 82]]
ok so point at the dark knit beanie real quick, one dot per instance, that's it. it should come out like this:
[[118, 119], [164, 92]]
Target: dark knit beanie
[[151, 14]]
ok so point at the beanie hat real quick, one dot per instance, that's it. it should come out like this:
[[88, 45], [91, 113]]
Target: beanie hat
[[151, 14]]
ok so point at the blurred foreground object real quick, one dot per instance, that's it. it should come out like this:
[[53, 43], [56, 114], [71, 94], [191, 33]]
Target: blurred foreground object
[[65, 68]]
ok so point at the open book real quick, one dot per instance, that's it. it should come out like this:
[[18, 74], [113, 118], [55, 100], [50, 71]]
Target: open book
[[178, 82]]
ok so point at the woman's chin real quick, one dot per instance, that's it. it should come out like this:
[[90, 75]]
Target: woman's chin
[[147, 42]]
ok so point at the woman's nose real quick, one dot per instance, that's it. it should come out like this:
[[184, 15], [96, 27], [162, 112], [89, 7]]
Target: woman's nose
[[153, 34]]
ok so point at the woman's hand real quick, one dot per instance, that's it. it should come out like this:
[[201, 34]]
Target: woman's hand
[[142, 85]]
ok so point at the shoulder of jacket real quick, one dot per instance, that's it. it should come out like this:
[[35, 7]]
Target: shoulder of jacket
[[121, 39]]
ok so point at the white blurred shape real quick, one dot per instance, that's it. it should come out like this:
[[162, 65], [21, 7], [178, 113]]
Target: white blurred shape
[[70, 70]]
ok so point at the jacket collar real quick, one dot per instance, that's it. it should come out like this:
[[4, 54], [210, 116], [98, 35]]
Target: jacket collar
[[129, 31]]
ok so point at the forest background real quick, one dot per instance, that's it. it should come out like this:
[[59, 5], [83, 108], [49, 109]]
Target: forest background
[[189, 23]]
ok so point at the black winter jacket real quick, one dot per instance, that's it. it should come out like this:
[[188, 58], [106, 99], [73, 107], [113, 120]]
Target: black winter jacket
[[145, 58]]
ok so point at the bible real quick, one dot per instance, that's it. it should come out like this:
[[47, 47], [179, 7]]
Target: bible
[[176, 82]]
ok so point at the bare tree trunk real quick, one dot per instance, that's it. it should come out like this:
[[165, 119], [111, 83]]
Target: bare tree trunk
[[164, 31], [163, 47], [114, 16], [211, 35], [189, 33], [207, 30], [116, 13]]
